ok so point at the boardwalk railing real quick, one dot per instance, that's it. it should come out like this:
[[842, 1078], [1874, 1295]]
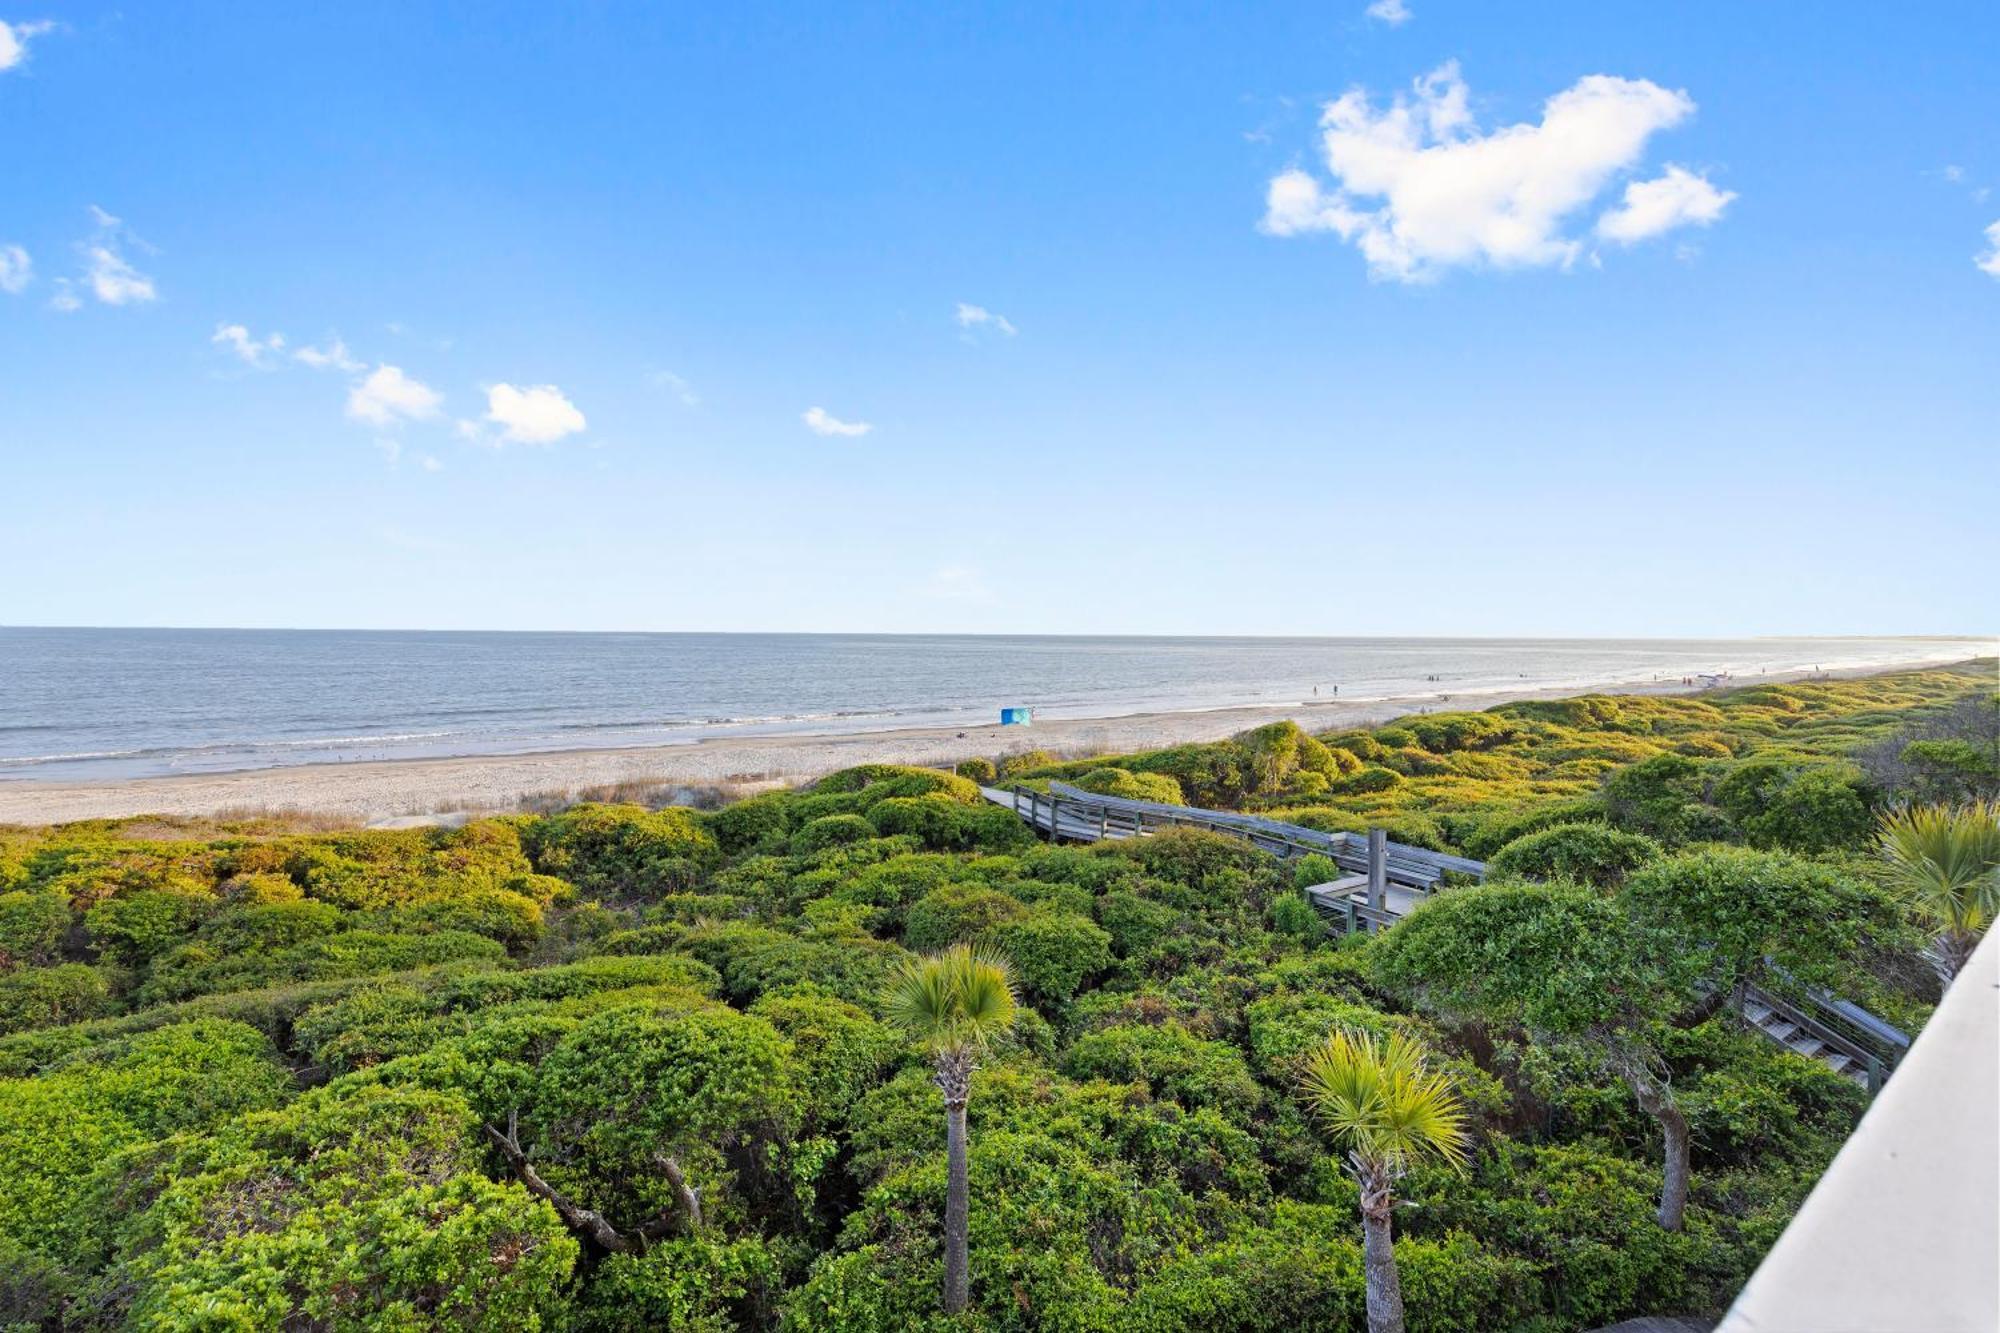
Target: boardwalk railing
[[1385, 880], [1071, 812]]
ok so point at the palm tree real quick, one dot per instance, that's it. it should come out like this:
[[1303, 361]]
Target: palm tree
[[956, 1003], [1377, 1097], [1946, 861]]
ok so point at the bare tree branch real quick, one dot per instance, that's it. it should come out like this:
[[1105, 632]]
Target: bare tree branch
[[586, 1220]]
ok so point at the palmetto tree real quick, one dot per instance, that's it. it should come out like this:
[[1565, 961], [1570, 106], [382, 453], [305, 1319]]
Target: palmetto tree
[[1946, 861], [956, 1004], [1377, 1098]]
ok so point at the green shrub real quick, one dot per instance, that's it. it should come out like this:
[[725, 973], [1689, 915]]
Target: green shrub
[[133, 929], [1660, 797], [1052, 953], [1132, 786], [1134, 923], [1367, 781], [945, 825], [630, 1086], [831, 831], [36, 997], [838, 1052], [1292, 915], [883, 781], [32, 927], [1489, 835], [955, 913], [1798, 809], [761, 823], [1732, 912], [977, 770], [1589, 853], [1172, 1062], [622, 850], [361, 1208], [1314, 869], [694, 1283], [1025, 762], [501, 914], [59, 1130]]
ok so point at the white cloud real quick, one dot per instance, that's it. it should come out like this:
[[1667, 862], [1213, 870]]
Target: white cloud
[[107, 274], [248, 350], [1953, 173], [820, 422], [16, 269], [535, 415], [113, 280], [387, 397], [1392, 12], [978, 316], [1990, 261], [1679, 198], [333, 356], [1419, 188], [681, 389], [65, 298], [14, 40]]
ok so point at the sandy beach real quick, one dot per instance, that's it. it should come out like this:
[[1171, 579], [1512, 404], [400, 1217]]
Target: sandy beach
[[420, 790]]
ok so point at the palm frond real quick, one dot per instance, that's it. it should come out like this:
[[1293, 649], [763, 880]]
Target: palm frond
[[960, 999], [1377, 1096], [1946, 861]]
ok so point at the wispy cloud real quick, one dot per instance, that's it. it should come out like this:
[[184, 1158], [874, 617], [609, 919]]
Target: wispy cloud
[[680, 388], [14, 39], [821, 422], [333, 356], [539, 414], [17, 270], [251, 352], [1419, 189], [1989, 262], [970, 317], [107, 275], [387, 397], [1392, 12]]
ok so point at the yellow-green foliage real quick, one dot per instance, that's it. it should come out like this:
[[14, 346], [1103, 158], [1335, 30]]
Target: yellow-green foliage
[[253, 1077]]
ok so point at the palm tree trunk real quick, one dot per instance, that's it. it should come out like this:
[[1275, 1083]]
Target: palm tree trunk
[[955, 1207], [1378, 1258], [1948, 954]]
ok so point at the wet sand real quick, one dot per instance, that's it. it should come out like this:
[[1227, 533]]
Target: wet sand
[[418, 790]]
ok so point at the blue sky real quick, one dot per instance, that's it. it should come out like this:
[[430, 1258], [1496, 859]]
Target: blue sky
[[1571, 319]]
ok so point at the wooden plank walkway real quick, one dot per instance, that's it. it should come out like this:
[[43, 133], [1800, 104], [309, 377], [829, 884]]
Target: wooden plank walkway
[[1070, 812], [1847, 1038]]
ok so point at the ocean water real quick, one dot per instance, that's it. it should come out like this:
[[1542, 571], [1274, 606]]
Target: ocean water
[[114, 703]]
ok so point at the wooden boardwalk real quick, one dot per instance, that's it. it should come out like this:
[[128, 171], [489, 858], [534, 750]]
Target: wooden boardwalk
[[1387, 880]]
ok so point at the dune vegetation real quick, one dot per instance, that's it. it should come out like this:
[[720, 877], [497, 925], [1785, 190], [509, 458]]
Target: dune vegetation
[[781, 1064]]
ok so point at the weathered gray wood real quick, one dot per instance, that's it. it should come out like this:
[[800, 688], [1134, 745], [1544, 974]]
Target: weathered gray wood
[[1378, 869]]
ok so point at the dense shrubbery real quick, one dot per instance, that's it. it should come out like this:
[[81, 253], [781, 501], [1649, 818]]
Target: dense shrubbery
[[1591, 853], [613, 1069]]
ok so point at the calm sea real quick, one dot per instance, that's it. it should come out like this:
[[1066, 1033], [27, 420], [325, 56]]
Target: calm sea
[[110, 703]]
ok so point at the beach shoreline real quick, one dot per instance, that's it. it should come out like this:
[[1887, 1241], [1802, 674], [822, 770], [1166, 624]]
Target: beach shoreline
[[421, 790]]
